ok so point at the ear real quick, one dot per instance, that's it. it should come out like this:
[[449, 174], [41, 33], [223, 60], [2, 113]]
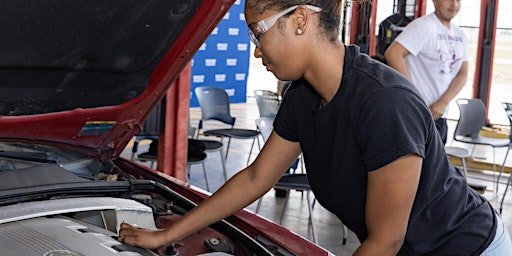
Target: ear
[[300, 20]]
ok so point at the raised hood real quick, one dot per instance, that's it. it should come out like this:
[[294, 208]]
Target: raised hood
[[86, 73]]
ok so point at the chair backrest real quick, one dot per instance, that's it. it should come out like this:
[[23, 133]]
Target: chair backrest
[[214, 104], [472, 117], [508, 109], [265, 126], [268, 102], [191, 131]]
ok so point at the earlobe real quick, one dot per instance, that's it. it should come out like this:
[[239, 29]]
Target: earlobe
[[301, 20]]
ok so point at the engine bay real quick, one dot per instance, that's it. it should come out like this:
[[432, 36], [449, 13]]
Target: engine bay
[[58, 202], [89, 226]]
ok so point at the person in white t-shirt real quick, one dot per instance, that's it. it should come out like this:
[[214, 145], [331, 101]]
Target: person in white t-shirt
[[432, 53]]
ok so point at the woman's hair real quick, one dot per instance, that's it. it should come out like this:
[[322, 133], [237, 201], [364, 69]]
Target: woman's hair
[[329, 16]]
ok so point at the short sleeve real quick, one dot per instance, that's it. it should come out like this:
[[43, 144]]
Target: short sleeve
[[413, 37], [394, 122]]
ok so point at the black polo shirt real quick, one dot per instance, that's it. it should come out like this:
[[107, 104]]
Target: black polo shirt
[[375, 118]]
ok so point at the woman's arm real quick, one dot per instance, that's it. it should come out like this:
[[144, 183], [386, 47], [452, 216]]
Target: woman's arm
[[241, 190], [391, 193]]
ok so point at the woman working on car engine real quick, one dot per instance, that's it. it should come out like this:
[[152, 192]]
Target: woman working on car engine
[[370, 145]]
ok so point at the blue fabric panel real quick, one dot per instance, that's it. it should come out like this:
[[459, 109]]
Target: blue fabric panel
[[223, 60]]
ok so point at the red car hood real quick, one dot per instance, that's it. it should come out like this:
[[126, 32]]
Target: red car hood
[[85, 74]]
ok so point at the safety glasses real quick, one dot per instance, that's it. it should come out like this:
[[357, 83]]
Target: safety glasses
[[264, 25]]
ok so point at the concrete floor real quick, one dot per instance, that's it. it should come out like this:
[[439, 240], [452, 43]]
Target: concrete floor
[[328, 227]]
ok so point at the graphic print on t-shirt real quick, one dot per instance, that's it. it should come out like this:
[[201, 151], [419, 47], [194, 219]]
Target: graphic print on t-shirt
[[447, 50]]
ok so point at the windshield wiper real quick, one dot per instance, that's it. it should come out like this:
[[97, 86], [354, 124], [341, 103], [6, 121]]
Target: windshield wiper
[[28, 156]]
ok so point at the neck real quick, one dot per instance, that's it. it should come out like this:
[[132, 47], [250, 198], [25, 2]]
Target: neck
[[444, 21], [327, 70]]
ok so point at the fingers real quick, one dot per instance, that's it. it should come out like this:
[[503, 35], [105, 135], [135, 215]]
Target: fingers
[[125, 229], [437, 109], [125, 225], [145, 238], [435, 114], [130, 240]]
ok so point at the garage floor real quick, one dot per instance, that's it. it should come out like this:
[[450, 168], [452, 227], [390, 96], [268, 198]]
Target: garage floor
[[328, 227]]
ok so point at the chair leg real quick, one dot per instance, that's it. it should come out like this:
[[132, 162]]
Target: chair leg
[[505, 193], [464, 167], [310, 208], [250, 151], [509, 178], [345, 232], [227, 149], [284, 206], [502, 168], [472, 149], [199, 127], [258, 205], [205, 177], [204, 172], [494, 176], [188, 173], [223, 162], [302, 164], [259, 145], [135, 147]]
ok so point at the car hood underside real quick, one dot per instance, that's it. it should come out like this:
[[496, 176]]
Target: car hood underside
[[85, 74]]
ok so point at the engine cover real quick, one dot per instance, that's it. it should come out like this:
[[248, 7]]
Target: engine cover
[[59, 237]]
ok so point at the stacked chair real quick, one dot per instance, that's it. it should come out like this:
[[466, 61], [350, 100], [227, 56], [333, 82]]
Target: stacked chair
[[215, 106], [196, 150], [471, 120]]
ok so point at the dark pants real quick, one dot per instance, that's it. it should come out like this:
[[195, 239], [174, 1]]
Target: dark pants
[[442, 129]]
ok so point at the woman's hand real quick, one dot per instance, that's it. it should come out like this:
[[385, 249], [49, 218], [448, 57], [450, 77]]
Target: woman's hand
[[241, 190], [141, 237]]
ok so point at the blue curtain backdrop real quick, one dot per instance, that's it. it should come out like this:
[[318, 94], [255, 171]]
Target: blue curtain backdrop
[[223, 60]]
